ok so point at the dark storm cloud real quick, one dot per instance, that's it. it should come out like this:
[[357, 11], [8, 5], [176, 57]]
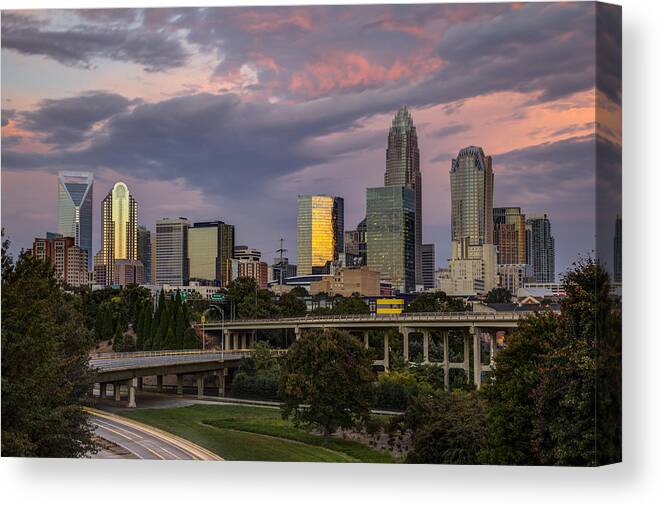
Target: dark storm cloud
[[7, 116], [609, 51], [451, 129], [69, 120], [81, 45]]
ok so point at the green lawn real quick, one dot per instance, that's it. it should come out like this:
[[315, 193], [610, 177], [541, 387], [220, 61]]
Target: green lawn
[[253, 433]]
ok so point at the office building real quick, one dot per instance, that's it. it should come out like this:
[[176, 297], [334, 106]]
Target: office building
[[355, 245], [347, 282], [210, 250], [152, 274], [319, 232], [281, 269], [473, 265], [129, 272], [69, 261], [403, 169], [119, 230], [512, 276], [540, 249], [171, 251], [255, 269], [390, 235], [428, 266], [243, 252], [145, 252], [75, 192], [509, 235]]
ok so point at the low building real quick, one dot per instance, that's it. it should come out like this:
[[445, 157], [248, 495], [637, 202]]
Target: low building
[[348, 281], [128, 272], [512, 276], [69, 261]]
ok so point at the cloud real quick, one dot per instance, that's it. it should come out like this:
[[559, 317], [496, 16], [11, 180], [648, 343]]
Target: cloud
[[82, 45], [451, 129], [67, 121], [7, 116]]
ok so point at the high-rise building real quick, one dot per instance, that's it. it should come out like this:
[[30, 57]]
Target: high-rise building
[[390, 235], [403, 169], [617, 251], [145, 252], [540, 248], [119, 229], [69, 261], [282, 269], [210, 252], [355, 244], [473, 265], [319, 232], [129, 272], [255, 269], [429, 266], [75, 191], [509, 235], [243, 252], [171, 251], [152, 274]]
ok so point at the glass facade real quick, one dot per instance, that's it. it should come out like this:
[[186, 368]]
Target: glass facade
[[75, 192], [510, 235], [403, 169], [210, 251], [119, 228], [319, 232], [540, 248], [144, 252], [390, 235], [171, 250], [471, 186]]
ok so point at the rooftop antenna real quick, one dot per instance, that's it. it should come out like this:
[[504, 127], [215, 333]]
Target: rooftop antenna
[[281, 251]]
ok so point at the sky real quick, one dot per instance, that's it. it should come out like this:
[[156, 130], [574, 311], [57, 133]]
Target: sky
[[230, 113]]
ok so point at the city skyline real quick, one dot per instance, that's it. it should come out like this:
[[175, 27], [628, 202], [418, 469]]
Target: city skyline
[[323, 110]]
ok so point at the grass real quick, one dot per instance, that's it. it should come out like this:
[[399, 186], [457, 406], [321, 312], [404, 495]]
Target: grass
[[254, 433]]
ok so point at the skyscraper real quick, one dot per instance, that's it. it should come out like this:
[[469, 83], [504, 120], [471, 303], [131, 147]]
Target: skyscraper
[[473, 266], [119, 229], [210, 252], [171, 251], [429, 266], [144, 251], [319, 232], [540, 248], [510, 235], [355, 244], [69, 261], [403, 169], [75, 191], [390, 235]]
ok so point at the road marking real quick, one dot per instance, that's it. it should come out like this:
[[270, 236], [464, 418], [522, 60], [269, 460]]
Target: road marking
[[137, 443]]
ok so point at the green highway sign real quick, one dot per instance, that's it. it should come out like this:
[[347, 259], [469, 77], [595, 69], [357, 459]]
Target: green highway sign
[[218, 296]]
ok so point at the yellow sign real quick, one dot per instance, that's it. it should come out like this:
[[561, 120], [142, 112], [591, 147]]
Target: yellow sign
[[389, 306]]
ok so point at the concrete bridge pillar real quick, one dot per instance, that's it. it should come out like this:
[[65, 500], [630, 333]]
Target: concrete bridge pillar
[[366, 339], [132, 384], [224, 340], [386, 352], [221, 382], [446, 359], [425, 345], [405, 331], [140, 383], [467, 368], [103, 390], [297, 333], [235, 342], [116, 390], [492, 348], [159, 382], [477, 356], [180, 384], [200, 385]]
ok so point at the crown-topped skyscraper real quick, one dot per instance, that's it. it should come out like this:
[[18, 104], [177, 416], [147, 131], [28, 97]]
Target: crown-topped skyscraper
[[403, 169]]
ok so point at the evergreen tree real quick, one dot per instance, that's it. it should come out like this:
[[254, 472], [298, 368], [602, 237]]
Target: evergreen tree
[[147, 341], [180, 327], [191, 340], [170, 342], [118, 340]]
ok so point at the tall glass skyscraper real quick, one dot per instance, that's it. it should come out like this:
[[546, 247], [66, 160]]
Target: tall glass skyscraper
[[319, 232], [144, 251], [471, 186], [119, 228], [171, 251], [510, 235], [210, 252], [75, 191], [390, 235], [403, 169], [540, 248]]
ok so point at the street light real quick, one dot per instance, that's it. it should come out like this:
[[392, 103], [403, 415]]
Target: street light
[[222, 328]]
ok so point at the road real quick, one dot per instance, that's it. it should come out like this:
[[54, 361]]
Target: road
[[146, 442]]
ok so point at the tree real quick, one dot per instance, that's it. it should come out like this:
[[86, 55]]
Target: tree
[[327, 381], [45, 373], [498, 295], [191, 340], [291, 306], [180, 326], [118, 340], [433, 302], [299, 291]]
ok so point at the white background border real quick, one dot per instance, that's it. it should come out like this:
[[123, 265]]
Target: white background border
[[636, 481]]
